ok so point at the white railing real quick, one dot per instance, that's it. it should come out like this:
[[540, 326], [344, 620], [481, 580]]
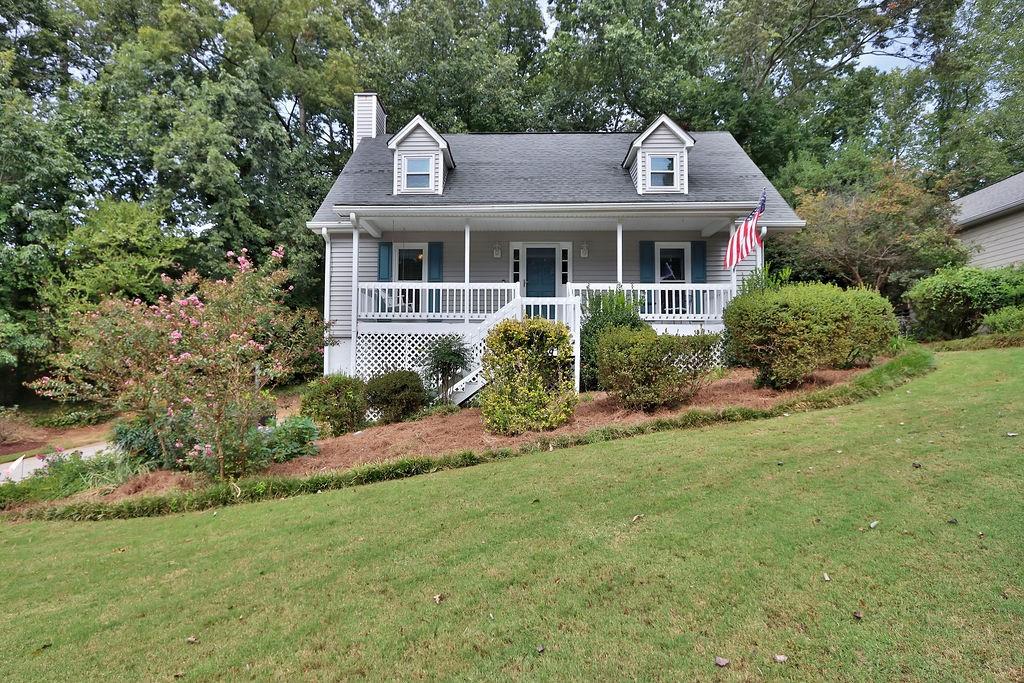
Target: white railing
[[432, 300], [666, 302]]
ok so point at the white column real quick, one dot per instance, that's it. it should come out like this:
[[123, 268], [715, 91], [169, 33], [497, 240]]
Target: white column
[[327, 295], [618, 253], [732, 231], [355, 296], [760, 249], [465, 269]]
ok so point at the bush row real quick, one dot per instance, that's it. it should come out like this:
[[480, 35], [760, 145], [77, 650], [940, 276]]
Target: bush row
[[339, 403], [952, 303], [912, 363]]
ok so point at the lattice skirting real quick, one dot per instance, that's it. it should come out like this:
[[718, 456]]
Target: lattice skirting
[[379, 352]]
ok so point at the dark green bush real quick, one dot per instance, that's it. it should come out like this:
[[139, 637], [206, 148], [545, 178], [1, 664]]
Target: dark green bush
[[137, 438], [530, 371], [644, 370], [292, 438], [789, 333], [337, 402], [396, 395], [1008, 319], [602, 311], [73, 417], [952, 303]]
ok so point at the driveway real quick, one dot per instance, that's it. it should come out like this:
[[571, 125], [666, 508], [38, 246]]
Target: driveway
[[23, 468]]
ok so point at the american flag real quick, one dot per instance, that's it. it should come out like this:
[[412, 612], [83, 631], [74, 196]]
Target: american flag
[[747, 238]]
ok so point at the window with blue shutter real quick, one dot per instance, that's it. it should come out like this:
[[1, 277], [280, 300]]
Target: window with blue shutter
[[384, 262], [435, 272]]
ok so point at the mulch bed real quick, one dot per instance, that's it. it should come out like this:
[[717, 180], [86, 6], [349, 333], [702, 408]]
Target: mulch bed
[[464, 430], [20, 446]]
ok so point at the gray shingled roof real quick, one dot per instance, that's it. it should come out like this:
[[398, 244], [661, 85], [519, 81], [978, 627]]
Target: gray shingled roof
[[995, 199], [553, 168]]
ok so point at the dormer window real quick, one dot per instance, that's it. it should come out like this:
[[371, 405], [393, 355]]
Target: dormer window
[[418, 174], [663, 172]]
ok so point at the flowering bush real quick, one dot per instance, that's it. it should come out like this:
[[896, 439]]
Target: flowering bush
[[211, 349]]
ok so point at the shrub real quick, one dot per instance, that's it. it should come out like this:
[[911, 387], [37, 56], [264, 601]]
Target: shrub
[[789, 333], [396, 395], [292, 438], [1008, 319], [447, 358], [164, 446], [952, 303], [529, 368], [643, 370], [337, 402], [602, 311], [981, 342], [9, 432], [68, 473], [73, 417]]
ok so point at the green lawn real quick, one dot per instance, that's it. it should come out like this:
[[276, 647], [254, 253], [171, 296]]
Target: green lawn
[[727, 560]]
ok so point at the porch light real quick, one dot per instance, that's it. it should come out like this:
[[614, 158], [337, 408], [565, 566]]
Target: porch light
[[585, 250], [496, 250]]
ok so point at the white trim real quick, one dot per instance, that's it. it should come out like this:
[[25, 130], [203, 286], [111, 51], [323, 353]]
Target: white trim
[[431, 160], [687, 266], [671, 207], [422, 123], [560, 287], [396, 246], [327, 295], [355, 288], [618, 252], [676, 168], [663, 119]]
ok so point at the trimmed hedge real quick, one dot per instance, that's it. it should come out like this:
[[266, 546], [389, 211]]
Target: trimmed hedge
[[644, 370], [914, 362], [952, 303], [1008, 319], [396, 395], [337, 402], [787, 334], [602, 311]]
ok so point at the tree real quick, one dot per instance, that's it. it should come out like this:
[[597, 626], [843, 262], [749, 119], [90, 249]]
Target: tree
[[881, 235]]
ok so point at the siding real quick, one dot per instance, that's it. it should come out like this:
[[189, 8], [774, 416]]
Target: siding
[[598, 267], [418, 143], [363, 117], [662, 141], [1001, 241]]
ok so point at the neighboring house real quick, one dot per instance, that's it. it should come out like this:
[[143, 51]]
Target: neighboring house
[[431, 234], [992, 222]]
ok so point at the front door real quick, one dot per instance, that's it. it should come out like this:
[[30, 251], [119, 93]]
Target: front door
[[540, 271]]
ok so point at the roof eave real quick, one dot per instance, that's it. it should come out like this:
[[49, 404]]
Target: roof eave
[[997, 212]]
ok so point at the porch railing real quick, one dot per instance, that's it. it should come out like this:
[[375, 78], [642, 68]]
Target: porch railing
[[432, 300], [666, 302]]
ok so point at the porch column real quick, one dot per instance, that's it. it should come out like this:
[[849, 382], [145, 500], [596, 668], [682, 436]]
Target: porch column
[[732, 232], [618, 253], [760, 249], [355, 295], [327, 294], [465, 258]]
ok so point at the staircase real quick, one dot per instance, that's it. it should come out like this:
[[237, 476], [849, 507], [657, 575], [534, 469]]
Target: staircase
[[473, 381]]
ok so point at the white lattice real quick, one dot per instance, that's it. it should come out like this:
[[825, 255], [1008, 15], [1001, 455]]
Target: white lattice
[[378, 352]]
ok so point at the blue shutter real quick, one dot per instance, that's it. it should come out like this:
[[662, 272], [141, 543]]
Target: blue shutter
[[699, 261], [435, 262], [435, 272], [646, 261], [384, 262]]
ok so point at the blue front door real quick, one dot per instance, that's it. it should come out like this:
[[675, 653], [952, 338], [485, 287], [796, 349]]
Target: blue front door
[[540, 271]]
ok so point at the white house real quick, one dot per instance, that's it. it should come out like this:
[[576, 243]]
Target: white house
[[429, 234], [991, 221]]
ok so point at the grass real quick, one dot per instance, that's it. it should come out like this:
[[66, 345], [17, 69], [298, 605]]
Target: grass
[[551, 550], [980, 342], [913, 362]]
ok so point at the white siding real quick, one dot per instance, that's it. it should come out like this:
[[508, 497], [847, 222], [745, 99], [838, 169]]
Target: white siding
[[341, 277], [418, 143], [1001, 241], [368, 119], [662, 141]]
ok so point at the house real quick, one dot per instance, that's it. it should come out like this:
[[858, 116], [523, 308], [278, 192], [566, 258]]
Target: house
[[992, 222], [429, 234]]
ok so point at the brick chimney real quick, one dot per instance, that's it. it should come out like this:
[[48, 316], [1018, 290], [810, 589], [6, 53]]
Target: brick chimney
[[368, 117]]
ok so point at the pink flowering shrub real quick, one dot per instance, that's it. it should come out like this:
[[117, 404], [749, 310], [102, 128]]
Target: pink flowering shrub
[[208, 353]]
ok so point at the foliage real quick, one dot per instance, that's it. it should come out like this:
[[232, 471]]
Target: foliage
[[952, 303], [644, 370], [396, 395], [66, 474], [765, 279], [337, 402], [446, 359], [165, 447], [603, 310], [529, 367], [292, 438], [73, 417], [788, 334], [913, 363], [981, 342], [9, 431], [883, 235], [212, 349], [1007, 319]]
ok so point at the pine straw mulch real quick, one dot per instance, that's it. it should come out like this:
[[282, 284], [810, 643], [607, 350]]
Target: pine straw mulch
[[462, 431]]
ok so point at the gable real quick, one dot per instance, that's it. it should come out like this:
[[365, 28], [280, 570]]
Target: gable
[[665, 141]]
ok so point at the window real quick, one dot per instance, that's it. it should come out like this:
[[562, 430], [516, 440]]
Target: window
[[418, 173], [409, 262], [662, 171], [672, 261]]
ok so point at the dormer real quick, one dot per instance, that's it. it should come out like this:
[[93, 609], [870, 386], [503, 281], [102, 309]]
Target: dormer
[[657, 158], [422, 159]]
